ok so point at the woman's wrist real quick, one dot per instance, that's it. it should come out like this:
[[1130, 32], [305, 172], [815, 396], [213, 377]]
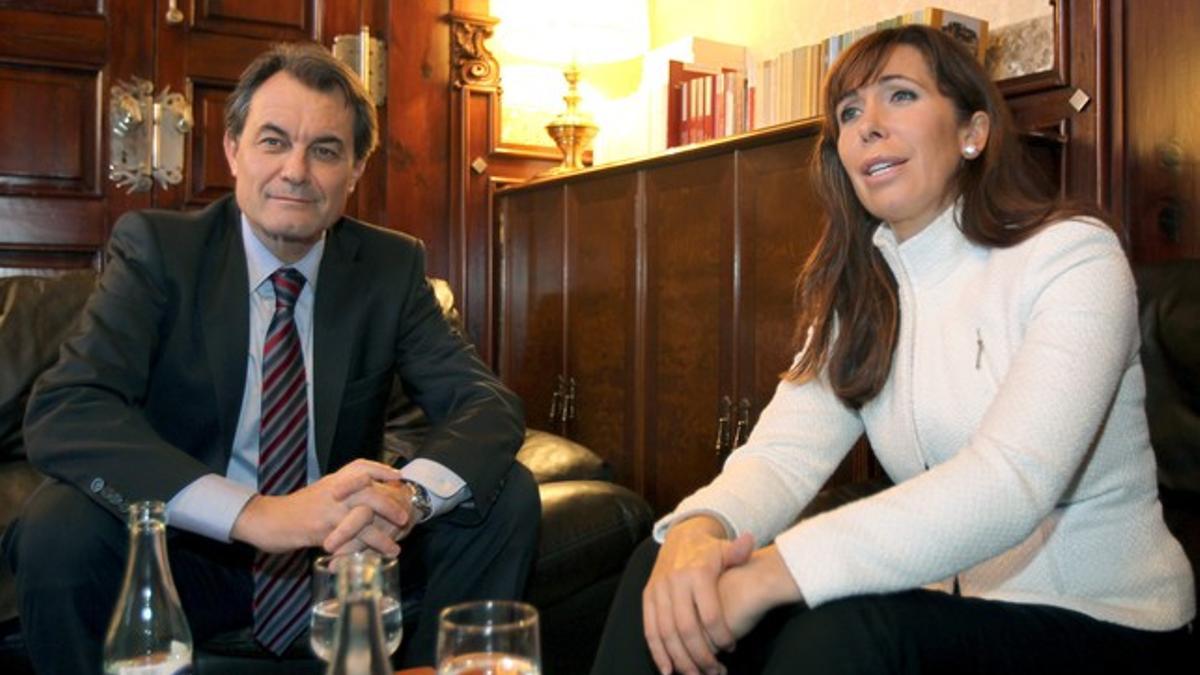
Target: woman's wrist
[[698, 524], [775, 579]]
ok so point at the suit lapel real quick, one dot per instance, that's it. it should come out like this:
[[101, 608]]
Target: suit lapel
[[333, 333], [226, 321]]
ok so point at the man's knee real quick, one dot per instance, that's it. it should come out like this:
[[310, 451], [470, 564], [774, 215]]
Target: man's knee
[[62, 535], [517, 508]]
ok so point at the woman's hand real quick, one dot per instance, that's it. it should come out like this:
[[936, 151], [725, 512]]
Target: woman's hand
[[749, 591], [681, 609]]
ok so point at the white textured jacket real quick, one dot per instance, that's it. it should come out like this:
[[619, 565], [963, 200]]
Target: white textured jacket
[[1013, 425]]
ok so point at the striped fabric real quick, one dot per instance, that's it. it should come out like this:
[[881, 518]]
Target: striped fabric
[[282, 594]]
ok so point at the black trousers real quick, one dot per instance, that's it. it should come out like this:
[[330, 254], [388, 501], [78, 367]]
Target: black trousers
[[910, 632], [68, 557]]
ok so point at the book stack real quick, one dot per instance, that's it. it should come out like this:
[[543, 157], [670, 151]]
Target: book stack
[[706, 103], [709, 92], [789, 86], [969, 30]]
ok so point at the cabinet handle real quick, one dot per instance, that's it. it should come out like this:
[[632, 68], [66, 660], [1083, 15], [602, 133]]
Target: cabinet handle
[[742, 429], [1170, 216], [174, 16], [569, 401], [723, 422], [556, 400]]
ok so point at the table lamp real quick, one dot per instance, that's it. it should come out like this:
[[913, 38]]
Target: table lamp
[[568, 34]]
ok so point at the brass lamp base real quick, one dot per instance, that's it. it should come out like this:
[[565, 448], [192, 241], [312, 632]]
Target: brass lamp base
[[571, 130], [573, 139]]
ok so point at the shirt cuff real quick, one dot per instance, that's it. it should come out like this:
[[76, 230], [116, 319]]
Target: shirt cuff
[[208, 506], [446, 489], [664, 524]]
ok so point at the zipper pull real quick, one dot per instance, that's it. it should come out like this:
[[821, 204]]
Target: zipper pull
[[979, 350]]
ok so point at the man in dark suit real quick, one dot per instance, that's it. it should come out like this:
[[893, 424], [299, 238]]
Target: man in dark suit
[[236, 363]]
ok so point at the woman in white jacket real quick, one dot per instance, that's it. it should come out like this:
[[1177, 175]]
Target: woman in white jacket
[[985, 339]]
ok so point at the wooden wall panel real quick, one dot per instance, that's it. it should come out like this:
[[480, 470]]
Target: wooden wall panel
[[689, 232], [30, 223], [64, 6], [57, 61], [42, 34], [52, 109], [1161, 168], [418, 128], [209, 175], [271, 19]]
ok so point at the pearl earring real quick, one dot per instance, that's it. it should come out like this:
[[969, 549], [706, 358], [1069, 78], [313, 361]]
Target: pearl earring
[[970, 151]]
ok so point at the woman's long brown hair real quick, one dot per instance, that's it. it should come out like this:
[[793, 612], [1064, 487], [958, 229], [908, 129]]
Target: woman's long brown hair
[[845, 279]]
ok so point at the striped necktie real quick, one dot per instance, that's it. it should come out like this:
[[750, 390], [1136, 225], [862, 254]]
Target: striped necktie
[[281, 581]]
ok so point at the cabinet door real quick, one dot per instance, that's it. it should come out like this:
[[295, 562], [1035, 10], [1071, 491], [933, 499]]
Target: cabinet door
[[779, 226], [531, 299], [57, 60], [601, 244], [689, 228]]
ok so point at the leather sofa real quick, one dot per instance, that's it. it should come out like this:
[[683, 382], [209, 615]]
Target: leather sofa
[[589, 524]]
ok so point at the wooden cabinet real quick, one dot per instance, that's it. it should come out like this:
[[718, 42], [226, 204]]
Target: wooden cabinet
[[657, 297], [568, 335]]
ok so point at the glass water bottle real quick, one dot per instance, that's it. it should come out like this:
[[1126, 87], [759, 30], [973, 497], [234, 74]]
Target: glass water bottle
[[358, 644], [148, 633]]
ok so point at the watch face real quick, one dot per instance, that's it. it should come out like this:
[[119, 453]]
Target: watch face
[[420, 500]]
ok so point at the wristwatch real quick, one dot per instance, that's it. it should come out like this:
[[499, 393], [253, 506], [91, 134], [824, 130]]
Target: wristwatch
[[419, 500]]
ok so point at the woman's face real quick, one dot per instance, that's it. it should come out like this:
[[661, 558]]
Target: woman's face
[[900, 141]]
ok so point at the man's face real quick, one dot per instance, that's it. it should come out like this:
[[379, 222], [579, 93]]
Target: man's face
[[293, 164]]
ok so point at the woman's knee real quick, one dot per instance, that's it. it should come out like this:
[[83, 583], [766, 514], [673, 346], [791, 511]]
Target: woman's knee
[[862, 634]]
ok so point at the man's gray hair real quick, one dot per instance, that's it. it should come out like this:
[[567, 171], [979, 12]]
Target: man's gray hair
[[315, 68]]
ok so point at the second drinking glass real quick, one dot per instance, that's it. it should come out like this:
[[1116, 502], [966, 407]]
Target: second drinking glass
[[326, 605]]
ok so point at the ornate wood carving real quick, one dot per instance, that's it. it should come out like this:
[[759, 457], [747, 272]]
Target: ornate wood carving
[[474, 64]]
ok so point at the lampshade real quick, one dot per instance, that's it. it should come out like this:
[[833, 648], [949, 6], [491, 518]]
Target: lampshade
[[560, 32]]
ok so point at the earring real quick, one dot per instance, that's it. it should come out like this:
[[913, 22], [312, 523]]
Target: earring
[[970, 151]]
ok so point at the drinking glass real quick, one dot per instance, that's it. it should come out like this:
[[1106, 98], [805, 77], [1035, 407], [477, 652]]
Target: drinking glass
[[326, 605], [489, 637]]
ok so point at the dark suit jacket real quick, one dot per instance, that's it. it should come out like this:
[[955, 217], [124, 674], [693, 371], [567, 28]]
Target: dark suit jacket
[[145, 396]]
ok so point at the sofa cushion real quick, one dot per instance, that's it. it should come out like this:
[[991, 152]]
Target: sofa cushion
[[553, 458], [36, 314], [1169, 301]]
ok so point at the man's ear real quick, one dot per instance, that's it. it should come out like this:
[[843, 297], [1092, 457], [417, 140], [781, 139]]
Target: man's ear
[[230, 144], [360, 165]]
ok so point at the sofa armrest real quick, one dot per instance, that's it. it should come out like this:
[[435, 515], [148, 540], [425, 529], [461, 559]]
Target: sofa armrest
[[589, 528], [553, 458]]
